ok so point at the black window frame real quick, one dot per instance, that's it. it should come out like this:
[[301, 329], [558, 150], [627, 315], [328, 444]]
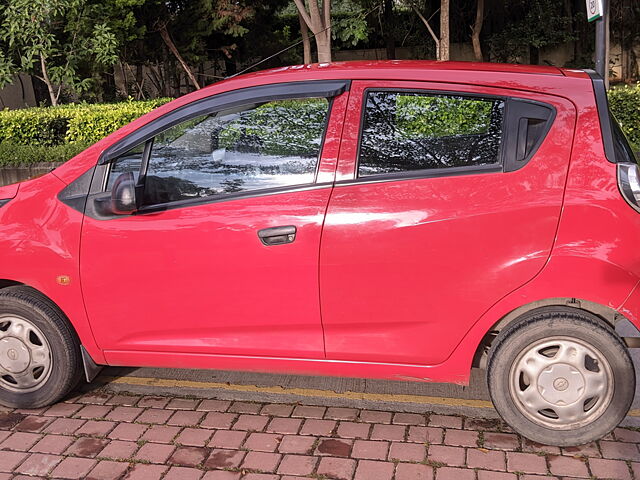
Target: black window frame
[[507, 153], [614, 142], [328, 89]]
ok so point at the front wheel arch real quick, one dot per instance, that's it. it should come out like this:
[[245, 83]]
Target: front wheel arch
[[91, 369]]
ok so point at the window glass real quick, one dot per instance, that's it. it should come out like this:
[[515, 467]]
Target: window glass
[[413, 131], [273, 144], [624, 152], [128, 162]]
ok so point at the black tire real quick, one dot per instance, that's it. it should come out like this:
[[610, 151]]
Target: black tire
[[563, 323], [66, 364]]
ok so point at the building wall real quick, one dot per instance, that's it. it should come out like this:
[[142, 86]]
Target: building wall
[[18, 94]]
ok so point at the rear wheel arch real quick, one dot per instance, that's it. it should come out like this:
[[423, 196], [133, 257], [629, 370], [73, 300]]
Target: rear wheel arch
[[575, 348], [604, 314]]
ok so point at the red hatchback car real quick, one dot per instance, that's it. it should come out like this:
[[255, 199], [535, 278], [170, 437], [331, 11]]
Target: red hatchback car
[[398, 220]]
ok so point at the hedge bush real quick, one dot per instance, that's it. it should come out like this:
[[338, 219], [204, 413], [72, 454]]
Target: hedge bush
[[14, 154], [66, 124], [625, 105]]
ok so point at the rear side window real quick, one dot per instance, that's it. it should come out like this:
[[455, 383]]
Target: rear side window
[[407, 131]]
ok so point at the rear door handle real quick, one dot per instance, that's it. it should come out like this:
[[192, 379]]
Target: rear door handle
[[277, 235]]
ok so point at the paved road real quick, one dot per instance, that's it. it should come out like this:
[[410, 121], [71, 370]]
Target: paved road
[[154, 424], [99, 435]]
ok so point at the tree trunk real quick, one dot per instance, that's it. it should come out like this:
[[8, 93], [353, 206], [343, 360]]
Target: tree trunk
[[326, 5], [306, 44], [475, 31], [534, 55], [323, 44], [120, 79], [164, 33], [320, 25], [45, 78], [388, 29], [444, 31], [140, 81]]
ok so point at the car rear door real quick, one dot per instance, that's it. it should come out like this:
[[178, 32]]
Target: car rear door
[[222, 256], [447, 199]]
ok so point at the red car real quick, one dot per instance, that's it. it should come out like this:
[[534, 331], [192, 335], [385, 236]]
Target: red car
[[398, 220]]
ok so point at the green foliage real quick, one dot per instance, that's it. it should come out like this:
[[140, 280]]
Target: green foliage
[[69, 124], [349, 24], [15, 154], [541, 23], [625, 105], [422, 116], [52, 39]]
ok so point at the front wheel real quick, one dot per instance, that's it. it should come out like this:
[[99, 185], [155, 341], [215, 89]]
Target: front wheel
[[560, 376], [39, 351]]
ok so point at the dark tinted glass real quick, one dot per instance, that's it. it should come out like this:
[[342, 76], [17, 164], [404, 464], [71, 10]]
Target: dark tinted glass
[[256, 147], [129, 162], [624, 152], [412, 131]]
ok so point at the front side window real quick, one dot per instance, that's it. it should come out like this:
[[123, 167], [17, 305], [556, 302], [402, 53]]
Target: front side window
[[255, 147], [407, 131]]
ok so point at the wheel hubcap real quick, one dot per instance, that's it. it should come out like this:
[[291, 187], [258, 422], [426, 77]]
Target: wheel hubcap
[[561, 383], [25, 355]]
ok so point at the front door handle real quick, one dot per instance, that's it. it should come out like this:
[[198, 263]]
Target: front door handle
[[277, 235]]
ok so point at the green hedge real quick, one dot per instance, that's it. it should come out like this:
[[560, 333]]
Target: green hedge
[[625, 105], [68, 124], [14, 154]]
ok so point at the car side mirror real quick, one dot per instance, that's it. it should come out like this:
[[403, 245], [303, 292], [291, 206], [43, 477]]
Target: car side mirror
[[123, 194]]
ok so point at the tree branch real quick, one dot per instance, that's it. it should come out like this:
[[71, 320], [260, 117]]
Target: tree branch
[[303, 13], [426, 22], [164, 33]]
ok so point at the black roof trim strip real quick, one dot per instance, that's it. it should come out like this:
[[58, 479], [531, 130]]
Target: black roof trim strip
[[602, 103]]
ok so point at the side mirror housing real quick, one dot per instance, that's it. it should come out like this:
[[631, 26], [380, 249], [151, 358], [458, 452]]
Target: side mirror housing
[[123, 195]]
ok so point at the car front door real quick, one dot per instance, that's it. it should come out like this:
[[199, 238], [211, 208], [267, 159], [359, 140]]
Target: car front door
[[221, 257], [447, 198]]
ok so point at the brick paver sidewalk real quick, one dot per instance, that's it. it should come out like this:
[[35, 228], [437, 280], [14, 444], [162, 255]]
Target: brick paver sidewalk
[[105, 436]]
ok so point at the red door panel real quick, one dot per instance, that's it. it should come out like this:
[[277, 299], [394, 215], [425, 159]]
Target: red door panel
[[408, 266], [198, 279]]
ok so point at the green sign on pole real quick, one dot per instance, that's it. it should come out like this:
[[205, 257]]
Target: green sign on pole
[[594, 10]]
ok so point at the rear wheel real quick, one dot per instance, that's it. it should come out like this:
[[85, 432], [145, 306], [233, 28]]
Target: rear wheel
[[39, 351], [560, 376]]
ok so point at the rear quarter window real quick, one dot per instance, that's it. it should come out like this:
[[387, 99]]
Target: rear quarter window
[[409, 131]]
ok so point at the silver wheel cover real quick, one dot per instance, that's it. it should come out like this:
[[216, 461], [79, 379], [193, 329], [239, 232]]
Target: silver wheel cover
[[561, 383], [25, 355]]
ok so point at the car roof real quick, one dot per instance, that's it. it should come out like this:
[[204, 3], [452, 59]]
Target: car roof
[[419, 67], [528, 77]]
